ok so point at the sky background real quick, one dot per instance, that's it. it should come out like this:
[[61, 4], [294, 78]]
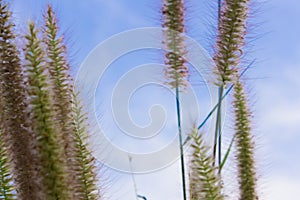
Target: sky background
[[273, 82]]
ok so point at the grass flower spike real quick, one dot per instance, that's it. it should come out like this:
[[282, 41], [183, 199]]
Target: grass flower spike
[[52, 168], [245, 146], [173, 23], [62, 90], [205, 183], [16, 136], [80, 162], [231, 39], [87, 175], [7, 190]]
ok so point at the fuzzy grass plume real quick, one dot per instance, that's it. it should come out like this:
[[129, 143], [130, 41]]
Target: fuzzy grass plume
[[7, 190], [231, 39], [62, 94], [205, 183], [173, 23], [80, 162], [87, 175], [244, 145], [52, 163], [16, 137]]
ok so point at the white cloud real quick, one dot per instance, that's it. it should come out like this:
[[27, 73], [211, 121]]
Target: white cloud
[[282, 188]]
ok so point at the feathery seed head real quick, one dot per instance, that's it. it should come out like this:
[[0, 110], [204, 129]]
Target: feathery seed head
[[176, 70], [52, 165], [231, 39], [244, 145], [14, 122], [205, 182]]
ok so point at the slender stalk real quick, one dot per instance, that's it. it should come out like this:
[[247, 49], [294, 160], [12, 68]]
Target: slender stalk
[[219, 9], [227, 153], [218, 129], [133, 178], [180, 143], [216, 106]]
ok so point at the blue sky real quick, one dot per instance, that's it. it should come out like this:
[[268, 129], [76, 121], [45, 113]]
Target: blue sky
[[273, 82]]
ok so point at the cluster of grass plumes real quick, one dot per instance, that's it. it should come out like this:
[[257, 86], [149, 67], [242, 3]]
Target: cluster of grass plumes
[[205, 183], [228, 54], [230, 43], [44, 150], [44, 153], [229, 49]]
